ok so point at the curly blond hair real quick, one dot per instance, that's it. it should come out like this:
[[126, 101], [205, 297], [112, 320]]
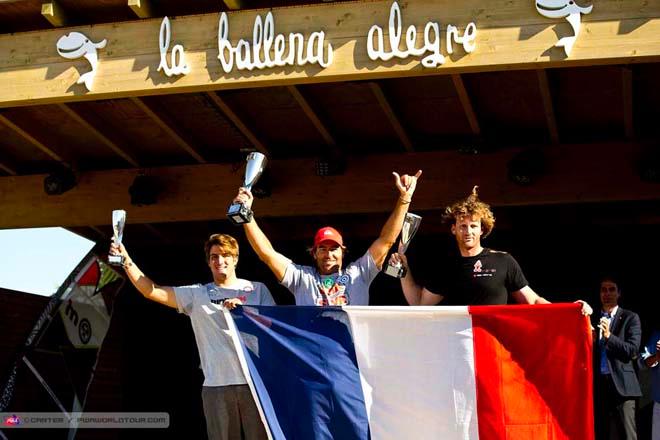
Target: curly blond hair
[[470, 206]]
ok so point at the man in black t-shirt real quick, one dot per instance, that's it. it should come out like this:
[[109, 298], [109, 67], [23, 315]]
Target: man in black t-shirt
[[475, 275]]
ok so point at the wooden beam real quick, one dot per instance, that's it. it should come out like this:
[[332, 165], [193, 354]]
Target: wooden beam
[[548, 107], [466, 103], [628, 116], [165, 126], [28, 137], [7, 169], [128, 64], [103, 138], [578, 174], [54, 13], [391, 116], [236, 120], [233, 4], [311, 114], [141, 8]]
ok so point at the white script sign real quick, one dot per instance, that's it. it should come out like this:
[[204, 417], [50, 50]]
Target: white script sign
[[432, 40], [178, 58], [270, 50]]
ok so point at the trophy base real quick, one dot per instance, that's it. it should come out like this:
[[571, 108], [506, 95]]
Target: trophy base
[[239, 214], [395, 271], [116, 260]]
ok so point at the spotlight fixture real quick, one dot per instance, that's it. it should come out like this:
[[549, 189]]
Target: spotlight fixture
[[144, 190], [525, 167], [332, 164], [59, 181]]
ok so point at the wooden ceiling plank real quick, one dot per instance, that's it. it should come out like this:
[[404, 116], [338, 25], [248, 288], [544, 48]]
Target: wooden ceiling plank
[[391, 116], [103, 138], [195, 192], [463, 96], [141, 8], [185, 145], [31, 139], [548, 107], [236, 120], [54, 13], [628, 115], [311, 114]]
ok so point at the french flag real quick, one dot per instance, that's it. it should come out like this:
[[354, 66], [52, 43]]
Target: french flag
[[478, 372]]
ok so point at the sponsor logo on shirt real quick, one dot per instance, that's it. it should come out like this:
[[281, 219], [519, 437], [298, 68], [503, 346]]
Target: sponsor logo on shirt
[[479, 270], [332, 291]]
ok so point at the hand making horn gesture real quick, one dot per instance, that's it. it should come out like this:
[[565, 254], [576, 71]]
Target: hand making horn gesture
[[406, 185]]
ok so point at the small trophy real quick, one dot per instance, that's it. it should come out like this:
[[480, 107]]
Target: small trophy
[[118, 222], [410, 226], [237, 212]]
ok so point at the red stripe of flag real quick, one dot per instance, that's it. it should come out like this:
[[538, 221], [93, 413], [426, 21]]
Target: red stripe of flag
[[533, 372]]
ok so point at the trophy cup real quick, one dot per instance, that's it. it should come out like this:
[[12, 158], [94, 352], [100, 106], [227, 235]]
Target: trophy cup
[[118, 222], [238, 213], [410, 226]]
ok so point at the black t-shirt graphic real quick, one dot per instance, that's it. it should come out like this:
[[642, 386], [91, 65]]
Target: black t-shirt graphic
[[485, 279]]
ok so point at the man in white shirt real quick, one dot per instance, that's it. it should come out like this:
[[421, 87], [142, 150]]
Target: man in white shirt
[[228, 404]]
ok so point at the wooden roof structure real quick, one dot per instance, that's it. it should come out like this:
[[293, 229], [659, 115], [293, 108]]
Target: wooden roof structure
[[592, 115]]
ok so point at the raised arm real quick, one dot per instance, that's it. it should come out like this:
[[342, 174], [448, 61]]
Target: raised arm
[[259, 242], [406, 185], [150, 290], [415, 294]]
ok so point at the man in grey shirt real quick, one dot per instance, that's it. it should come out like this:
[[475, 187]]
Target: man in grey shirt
[[328, 283], [228, 404]]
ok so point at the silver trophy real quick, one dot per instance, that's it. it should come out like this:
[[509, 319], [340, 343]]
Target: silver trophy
[[410, 226], [118, 222], [238, 213]]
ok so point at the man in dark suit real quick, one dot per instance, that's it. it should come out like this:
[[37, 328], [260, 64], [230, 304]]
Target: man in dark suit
[[617, 339]]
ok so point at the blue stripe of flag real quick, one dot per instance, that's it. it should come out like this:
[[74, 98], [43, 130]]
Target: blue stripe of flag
[[304, 369]]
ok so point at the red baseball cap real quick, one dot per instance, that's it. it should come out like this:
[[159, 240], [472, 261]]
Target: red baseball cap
[[328, 234]]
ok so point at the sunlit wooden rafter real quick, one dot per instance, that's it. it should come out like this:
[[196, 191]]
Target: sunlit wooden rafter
[[119, 151], [238, 122], [54, 13], [167, 127], [141, 8], [466, 103], [311, 115], [31, 139], [384, 104], [548, 106]]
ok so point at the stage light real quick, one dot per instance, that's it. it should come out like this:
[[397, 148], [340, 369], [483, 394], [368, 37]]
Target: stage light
[[525, 167], [144, 190], [59, 181]]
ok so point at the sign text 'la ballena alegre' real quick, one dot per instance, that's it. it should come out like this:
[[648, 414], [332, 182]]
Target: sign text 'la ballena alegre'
[[269, 49]]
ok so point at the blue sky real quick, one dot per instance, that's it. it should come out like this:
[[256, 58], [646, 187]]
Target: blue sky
[[38, 260]]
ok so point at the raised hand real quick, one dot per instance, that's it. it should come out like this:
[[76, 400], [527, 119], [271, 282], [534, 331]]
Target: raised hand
[[406, 184], [231, 303], [245, 197]]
